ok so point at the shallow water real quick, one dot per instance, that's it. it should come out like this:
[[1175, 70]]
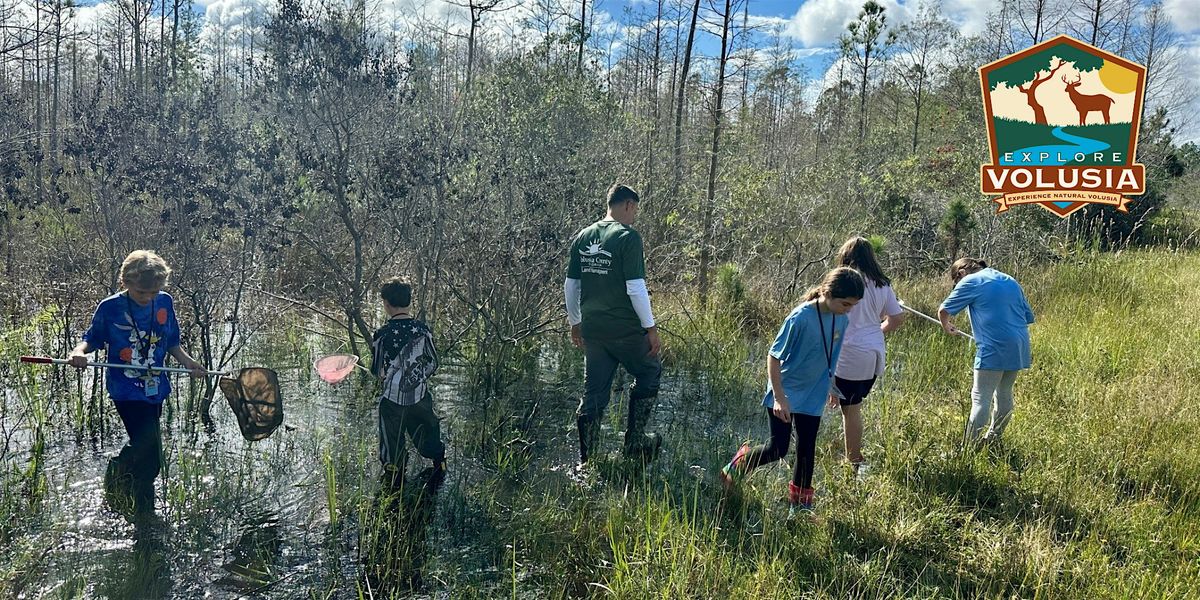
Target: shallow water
[[251, 519]]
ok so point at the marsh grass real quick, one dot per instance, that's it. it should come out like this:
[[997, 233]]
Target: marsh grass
[[1094, 493]]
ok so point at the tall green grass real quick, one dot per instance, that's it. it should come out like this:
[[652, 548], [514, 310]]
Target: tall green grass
[[1093, 495]]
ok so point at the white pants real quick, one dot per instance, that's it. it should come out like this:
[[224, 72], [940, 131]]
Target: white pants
[[989, 385]]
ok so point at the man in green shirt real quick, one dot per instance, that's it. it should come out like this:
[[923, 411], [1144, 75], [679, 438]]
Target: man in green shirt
[[608, 308]]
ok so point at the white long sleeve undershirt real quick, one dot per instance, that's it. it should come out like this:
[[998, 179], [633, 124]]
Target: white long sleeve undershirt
[[640, 297], [572, 290]]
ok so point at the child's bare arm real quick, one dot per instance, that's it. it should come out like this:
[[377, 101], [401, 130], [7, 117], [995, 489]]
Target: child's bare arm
[[782, 409], [892, 323], [77, 356], [186, 360]]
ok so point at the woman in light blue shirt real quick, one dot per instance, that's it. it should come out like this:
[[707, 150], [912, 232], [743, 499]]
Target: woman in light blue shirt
[[1000, 318]]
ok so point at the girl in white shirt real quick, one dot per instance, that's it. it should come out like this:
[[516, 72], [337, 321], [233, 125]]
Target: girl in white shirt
[[862, 357]]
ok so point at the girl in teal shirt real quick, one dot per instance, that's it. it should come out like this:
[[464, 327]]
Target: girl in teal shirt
[[800, 378]]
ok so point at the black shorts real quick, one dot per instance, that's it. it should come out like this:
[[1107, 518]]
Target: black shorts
[[852, 391]]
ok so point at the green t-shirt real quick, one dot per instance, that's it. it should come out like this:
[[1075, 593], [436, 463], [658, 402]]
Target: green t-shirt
[[604, 256]]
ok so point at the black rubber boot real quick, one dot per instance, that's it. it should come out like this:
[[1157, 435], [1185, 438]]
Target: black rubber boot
[[391, 477], [437, 476], [119, 488], [638, 443], [589, 437]]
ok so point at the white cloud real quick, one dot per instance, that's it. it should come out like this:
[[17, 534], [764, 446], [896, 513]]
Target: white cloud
[[820, 22], [1190, 71], [969, 15], [767, 23], [603, 22], [233, 13], [86, 17], [805, 53], [831, 79], [1184, 15]]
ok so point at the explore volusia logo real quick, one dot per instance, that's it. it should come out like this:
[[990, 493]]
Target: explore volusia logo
[[1062, 119]]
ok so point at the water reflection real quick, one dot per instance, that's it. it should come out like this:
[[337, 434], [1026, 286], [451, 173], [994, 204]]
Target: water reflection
[[143, 573], [384, 544], [254, 558]]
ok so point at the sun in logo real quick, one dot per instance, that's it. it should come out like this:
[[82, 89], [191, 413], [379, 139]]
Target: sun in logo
[[1118, 79], [594, 249]]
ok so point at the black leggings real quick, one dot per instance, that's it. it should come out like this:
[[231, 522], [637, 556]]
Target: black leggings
[[806, 446]]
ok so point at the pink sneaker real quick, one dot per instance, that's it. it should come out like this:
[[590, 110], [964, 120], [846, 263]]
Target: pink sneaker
[[732, 473]]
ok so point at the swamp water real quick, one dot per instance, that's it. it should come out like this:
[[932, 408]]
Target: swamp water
[[300, 514]]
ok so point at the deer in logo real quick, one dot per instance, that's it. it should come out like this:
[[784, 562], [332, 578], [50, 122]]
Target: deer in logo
[[1086, 103]]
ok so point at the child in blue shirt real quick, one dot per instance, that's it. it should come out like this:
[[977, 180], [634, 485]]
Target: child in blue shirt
[[800, 369], [138, 327], [1000, 318]]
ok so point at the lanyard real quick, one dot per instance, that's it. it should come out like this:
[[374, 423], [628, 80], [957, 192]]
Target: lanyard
[[828, 349], [136, 330]]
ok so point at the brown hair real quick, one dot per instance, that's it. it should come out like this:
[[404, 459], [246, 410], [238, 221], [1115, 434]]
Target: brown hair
[[965, 266], [858, 254], [396, 291], [619, 193], [842, 282], [144, 269]]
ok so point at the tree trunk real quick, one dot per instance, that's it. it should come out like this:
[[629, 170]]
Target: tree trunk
[[582, 34], [471, 48], [745, 61], [54, 99], [1039, 113], [175, 38], [917, 113], [862, 93], [651, 143], [162, 35], [687, 62], [38, 124], [709, 205]]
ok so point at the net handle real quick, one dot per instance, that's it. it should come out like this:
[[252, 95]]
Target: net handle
[[46, 360], [933, 320]]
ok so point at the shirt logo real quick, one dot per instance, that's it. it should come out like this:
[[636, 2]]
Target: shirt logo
[[595, 249], [1062, 123], [595, 260]]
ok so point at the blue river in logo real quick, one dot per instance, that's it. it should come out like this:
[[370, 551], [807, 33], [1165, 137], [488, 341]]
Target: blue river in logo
[[1078, 144]]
